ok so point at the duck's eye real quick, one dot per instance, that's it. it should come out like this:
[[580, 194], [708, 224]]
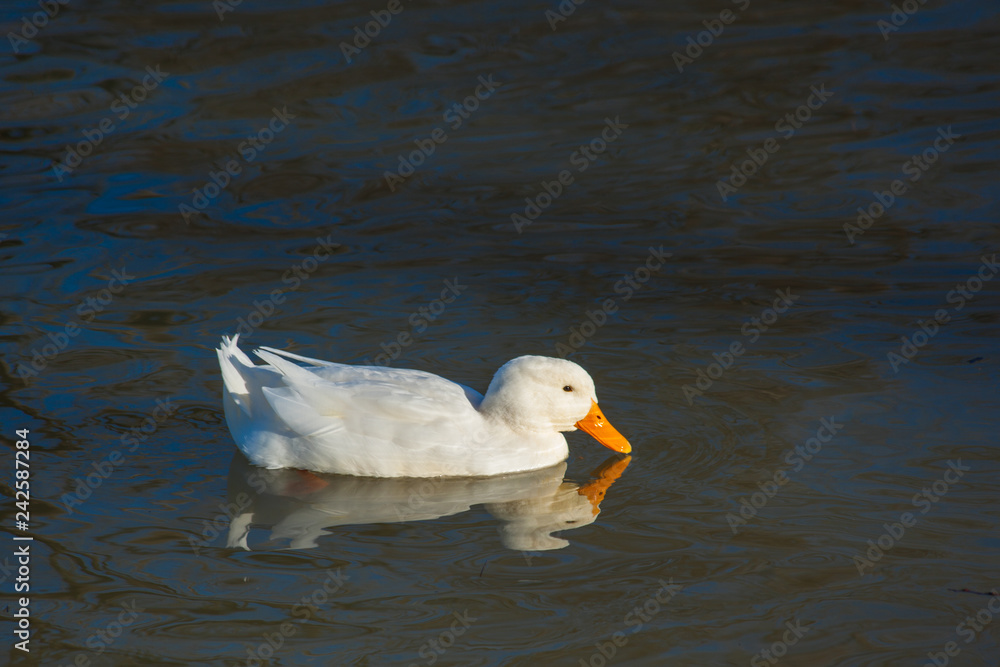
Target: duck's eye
[[567, 388]]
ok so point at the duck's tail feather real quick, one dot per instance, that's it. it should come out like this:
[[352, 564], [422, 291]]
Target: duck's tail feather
[[297, 357], [235, 366]]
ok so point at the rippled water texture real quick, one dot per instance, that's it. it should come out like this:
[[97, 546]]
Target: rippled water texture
[[765, 228]]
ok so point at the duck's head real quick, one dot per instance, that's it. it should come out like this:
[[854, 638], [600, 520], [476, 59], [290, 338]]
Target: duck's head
[[541, 393]]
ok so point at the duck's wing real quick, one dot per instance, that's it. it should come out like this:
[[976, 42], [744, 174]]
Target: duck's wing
[[375, 382], [370, 420]]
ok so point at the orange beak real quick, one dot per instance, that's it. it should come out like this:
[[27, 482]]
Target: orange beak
[[597, 426]]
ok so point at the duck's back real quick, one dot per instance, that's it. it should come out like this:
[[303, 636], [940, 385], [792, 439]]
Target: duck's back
[[358, 420]]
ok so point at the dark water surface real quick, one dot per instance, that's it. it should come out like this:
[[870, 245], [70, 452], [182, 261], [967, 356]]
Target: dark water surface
[[226, 174]]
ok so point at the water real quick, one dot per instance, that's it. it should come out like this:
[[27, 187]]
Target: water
[[646, 259]]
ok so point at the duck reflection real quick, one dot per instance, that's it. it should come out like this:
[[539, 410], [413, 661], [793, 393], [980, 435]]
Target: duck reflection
[[299, 506]]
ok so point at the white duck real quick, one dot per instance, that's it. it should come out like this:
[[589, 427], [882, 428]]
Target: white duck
[[387, 422]]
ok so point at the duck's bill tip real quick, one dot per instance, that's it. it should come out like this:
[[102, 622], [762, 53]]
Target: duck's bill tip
[[616, 444], [595, 425]]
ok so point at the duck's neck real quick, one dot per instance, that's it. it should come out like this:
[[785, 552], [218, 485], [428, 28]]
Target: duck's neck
[[518, 412]]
